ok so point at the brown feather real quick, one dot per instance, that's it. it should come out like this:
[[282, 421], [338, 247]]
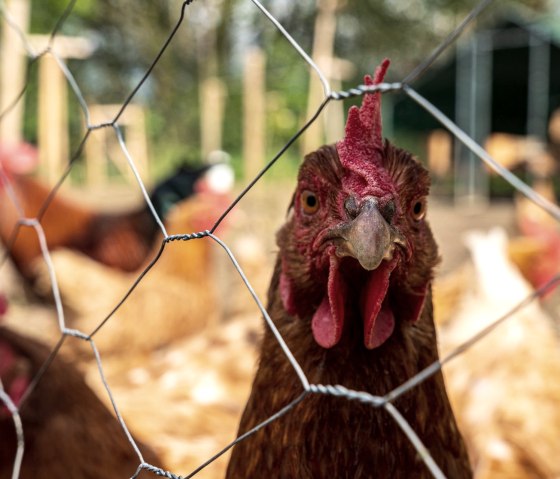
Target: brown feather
[[122, 240], [68, 431], [325, 436]]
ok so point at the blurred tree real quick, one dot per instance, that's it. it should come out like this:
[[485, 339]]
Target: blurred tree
[[212, 40]]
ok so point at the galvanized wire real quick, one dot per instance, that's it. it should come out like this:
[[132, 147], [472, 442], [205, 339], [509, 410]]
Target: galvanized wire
[[385, 402]]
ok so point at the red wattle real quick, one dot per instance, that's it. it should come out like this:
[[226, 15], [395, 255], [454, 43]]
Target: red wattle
[[381, 328], [378, 317], [328, 320]]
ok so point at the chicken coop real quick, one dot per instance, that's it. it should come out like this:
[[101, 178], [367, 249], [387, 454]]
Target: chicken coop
[[327, 314], [501, 84]]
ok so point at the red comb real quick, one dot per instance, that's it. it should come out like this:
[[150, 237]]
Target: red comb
[[363, 126]]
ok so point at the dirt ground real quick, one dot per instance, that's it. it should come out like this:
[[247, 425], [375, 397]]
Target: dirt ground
[[186, 399]]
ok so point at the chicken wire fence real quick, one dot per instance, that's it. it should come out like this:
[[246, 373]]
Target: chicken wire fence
[[384, 402]]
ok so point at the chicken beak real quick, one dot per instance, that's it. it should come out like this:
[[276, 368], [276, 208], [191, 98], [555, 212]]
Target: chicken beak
[[368, 237]]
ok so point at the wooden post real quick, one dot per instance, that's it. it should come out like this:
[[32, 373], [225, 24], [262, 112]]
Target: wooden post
[[53, 135], [137, 142], [323, 48], [554, 126], [212, 90], [95, 155], [102, 145], [440, 150], [13, 68], [254, 134], [212, 95], [335, 119], [53, 119]]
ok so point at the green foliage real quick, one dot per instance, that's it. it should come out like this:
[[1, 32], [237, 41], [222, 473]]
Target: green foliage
[[128, 35], [45, 15], [30, 123]]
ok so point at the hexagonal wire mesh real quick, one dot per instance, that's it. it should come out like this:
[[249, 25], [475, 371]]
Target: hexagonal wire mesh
[[385, 402]]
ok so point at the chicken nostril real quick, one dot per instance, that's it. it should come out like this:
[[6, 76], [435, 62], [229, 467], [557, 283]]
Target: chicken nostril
[[351, 207]]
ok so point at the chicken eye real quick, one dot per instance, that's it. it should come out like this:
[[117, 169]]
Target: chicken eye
[[309, 202], [419, 209]]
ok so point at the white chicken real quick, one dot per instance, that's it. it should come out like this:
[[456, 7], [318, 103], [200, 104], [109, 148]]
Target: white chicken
[[505, 389]]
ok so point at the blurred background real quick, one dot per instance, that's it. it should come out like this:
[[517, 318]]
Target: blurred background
[[230, 90], [228, 67]]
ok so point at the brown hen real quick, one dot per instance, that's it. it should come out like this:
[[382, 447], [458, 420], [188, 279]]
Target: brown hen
[[351, 297], [68, 431], [120, 240]]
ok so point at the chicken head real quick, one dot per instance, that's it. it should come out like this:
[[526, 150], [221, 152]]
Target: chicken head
[[356, 222]]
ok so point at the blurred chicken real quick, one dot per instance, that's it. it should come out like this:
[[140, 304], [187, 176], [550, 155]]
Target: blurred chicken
[[504, 389], [177, 297], [68, 431], [120, 240], [537, 250], [512, 151]]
